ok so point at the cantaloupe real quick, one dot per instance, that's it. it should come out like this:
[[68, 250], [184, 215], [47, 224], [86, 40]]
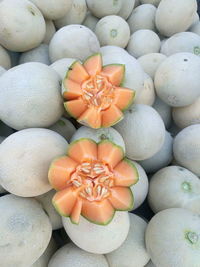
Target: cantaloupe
[[5, 60], [70, 255], [73, 41], [133, 251], [104, 7], [75, 15], [25, 231], [162, 158], [177, 80], [172, 238], [174, 187], [126, 8], [112, 30], [186, 116], [141, 139], [92, 180], [35, 94], [25, 159], [20, 14], [38, 54], [61, 66], [97, 238], [99, 135], [164, 110], [93, 93], [50, 31], [186, 148], [90, 21]]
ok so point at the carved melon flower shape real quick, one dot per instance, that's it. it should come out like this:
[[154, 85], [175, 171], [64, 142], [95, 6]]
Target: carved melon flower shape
[[92, 180], [93, 94]]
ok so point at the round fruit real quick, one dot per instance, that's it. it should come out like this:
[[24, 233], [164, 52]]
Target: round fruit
[[90, 21], [25, 230], [174, 187], [164, 110], [150, 62], [143, 42], [36, 94], [113, 30], [23, 26], [25, 159], [97, 238], [53, 9], [75, 15], [132, 252], [61, 66], [126, 8], [104, 7], [172, 238], [177, 80], [46, 202], [142, 17], [70, 255], [50, 31], [2, 70], [186, 116], [74, 41], [196, 28], [99, 135], [141, 139], [162, 158], [38, 54], [170, 14], [5, 60], [187, 148]]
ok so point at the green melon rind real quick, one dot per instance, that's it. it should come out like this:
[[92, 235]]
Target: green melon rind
[[112, 143], [93, 55], [72, 115], [76, 141], [121, 65], [130, 102], [104, 223], [134, 168]]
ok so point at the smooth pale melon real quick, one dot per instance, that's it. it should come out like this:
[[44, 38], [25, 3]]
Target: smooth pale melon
[[2, 70], [23, 27], [143, 42], [182, 42], [153, 2], [53, 9], [195, 19], [187, 148], [25, 230], [46, 202], [35, 94], [143, 132], [140, 189], [38, 54], [177, 80], [164, 110], [99, 135], [70, 255], [61, 66], [174, 187], [172, 238], [150, 62], [64, 127], [162, 158], [186, 116], [195, 28], [2, 190], [50, 31], [104, 7], [90, 21], [112, 30], [133, 251], [75, 15], [74, 41], [170, 14], [25, 157], [126, 8], [142, 17], [5, 60], [99, 239]]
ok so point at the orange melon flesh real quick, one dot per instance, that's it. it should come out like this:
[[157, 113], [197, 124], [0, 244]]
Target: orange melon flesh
[[121, 198], [99, 212], [76, 212], [93, 64], [75, 107], [64, 201], [83, 150], [110, 153], [125, 173], [123, 97], [73, 89], [60, 171], [111, 116], [77, 73], [91, 117], [114, 73]]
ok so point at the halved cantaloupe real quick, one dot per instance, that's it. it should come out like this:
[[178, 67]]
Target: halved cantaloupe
[[92, 92], [93, 180]]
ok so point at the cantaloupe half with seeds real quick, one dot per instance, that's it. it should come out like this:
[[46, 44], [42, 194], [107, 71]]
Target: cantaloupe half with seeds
[[93, 94], [92, 180]]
